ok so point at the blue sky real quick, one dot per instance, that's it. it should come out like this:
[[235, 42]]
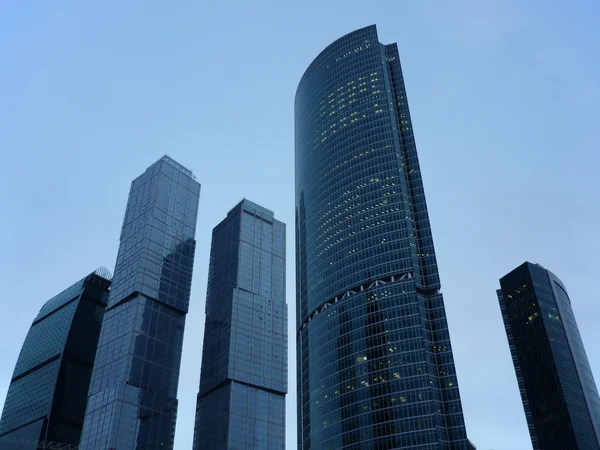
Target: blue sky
[[504, 98]]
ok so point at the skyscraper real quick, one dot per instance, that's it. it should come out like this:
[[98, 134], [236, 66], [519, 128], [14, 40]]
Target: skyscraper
[[48, 391], [375, 364], [557, 386], [241, 403], [132, 398]]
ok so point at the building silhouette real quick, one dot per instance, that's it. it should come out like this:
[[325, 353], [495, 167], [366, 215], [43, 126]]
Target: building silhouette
[[375, 364], [133, 392], [557, 387], [47, 396], [241, 402]]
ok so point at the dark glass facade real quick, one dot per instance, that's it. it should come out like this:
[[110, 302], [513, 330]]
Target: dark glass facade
[[557, 386], [241, 402], [47, 396], [375, 364], [133, 392]]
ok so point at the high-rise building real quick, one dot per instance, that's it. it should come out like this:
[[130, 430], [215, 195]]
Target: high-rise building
[[132, 398], [48, 392], [557, 386], [241, 403], [375, 364]]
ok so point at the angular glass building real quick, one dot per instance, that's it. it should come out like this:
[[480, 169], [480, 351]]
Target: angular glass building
[[48, 392], [557, 386], [241, 403], [132, 398], [375, 364]]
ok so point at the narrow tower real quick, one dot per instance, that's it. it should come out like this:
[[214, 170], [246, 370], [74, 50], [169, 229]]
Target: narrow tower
[[557, 386], [132, 398], [241, 403], [375, 364]]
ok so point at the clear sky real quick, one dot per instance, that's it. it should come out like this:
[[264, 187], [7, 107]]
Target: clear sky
[[504, 96]]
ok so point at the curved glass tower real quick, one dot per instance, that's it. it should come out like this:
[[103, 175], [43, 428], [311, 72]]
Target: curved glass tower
[[375, 365], [557, 386], [46, 400]]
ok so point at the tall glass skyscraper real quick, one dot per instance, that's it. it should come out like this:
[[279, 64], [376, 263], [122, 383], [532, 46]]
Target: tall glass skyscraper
[[375, 364], [48, 392], [241, 403], [557, 386], [132, 398]]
